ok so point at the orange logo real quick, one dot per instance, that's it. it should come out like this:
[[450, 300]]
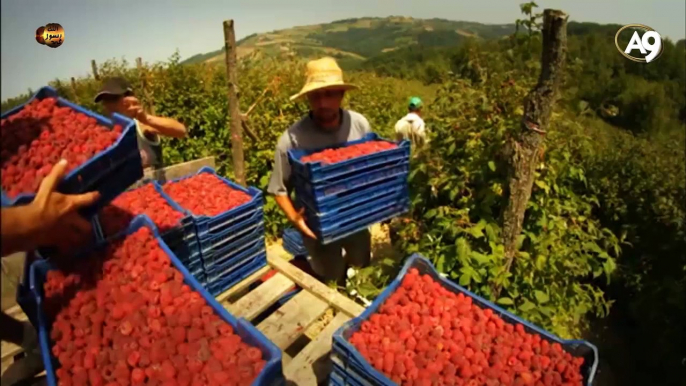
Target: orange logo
[[51, 35]]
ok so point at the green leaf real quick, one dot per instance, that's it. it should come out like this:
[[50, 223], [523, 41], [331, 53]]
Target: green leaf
[[481, 258], [367, 289], [430, 214], [451, 149], [505, 301], [464, 279], [541, 297], [527, 306], [440, 262], [491, 165], [542, 185], [463, 250], [540, 262]]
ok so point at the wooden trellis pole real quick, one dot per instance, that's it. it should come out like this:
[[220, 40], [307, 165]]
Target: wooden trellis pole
[[143, 74], [525, 146], [234, 109], [73, 89], [94, 67]]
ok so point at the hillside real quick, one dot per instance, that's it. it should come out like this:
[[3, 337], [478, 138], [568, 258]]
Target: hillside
[[354, 40]]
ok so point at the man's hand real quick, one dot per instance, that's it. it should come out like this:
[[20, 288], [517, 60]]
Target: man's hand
[[299, 222], [50, 219], [51, 209], [134, 109]]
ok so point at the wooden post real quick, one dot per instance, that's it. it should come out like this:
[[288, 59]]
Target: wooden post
[[524, 147], [94, 67], [142, 73], [73, 89], [234, 110]]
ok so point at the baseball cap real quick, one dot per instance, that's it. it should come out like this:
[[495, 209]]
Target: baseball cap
[[415, 103], [116, 86]]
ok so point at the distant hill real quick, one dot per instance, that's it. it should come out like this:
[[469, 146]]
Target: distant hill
[[354, 40]]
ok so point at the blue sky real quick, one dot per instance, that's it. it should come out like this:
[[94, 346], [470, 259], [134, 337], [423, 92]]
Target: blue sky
[[153, 29]]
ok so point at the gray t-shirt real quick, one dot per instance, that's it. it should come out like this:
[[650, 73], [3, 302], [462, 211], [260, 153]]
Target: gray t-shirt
[[307, 135]]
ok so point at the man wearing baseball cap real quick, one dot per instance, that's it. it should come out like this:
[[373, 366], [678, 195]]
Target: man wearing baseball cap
[[117, 96], [411, 126], [326, 124]]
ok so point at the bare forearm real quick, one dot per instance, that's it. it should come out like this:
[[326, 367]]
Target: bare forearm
[[167, 127], [17, 228], [287, 207]]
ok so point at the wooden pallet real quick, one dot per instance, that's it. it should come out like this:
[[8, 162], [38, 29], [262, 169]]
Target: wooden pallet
[[287, 326], [309, 365]]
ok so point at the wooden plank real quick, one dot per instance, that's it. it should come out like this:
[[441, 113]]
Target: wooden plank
[[178, 170], [312, 363], [290, 321], [261, 298], [319, 289], [9, 350], [243, 285]]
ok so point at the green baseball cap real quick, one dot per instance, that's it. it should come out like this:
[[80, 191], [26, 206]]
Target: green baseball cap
[[415, 103]]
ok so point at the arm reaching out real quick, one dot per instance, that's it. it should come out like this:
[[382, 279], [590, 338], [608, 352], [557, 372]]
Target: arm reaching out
[[167, 127], [38, 224]]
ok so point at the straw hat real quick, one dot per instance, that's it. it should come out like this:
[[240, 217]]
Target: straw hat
[[323, 73]]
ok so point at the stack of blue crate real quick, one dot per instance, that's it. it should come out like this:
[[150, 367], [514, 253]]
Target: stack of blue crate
[[348, 196], [232, 244], [293, 242]]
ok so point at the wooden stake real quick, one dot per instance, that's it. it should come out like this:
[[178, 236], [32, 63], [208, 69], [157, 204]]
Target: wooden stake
[[142, 73], [523, 149], [73, 89], [234, 110], [94, 67]]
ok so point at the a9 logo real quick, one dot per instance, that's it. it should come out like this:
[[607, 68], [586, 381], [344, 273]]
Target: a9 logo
[[650, 50]]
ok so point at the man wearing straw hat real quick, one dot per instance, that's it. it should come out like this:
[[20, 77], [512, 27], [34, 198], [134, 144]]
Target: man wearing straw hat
[[326, 124]]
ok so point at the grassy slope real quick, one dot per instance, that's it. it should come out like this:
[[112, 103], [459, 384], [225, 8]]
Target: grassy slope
[[357, 39]]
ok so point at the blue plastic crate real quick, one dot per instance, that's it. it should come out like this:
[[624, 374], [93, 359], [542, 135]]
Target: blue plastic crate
[[294, 249], [235, 264], [344, 375], [110, 172], [225, 283], [223, 221], [225, 258], [360, 209], [244, 230], [345, 228], [182, 239], [212, 257], [354, 196], [356, 366], [316, 171], [272, 373], [334, 190]]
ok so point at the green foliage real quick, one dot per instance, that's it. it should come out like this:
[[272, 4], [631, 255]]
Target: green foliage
[[457, 195]]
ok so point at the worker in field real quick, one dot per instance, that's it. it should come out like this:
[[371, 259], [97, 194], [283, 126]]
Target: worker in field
[[326, 124], [411, 126], [25, 228], [117, 96]]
